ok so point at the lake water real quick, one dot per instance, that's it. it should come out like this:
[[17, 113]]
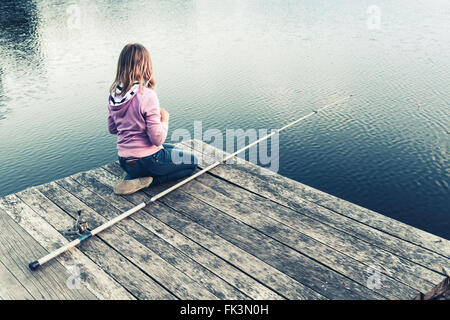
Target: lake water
[[243, 64]]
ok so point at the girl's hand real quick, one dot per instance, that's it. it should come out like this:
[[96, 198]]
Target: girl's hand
[[164, 115]]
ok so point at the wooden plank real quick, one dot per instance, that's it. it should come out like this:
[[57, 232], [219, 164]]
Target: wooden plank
[[246, 284], [356, 212], [10, 287], [305, 270], [298, 266], [17, 248], [94, 278], [398, 268], [175, 257], [251, 265], [440, 292], [410, 273], [347, 266], [113, 263], [221, 268], [158, 269], [289, 193], [326, 255]]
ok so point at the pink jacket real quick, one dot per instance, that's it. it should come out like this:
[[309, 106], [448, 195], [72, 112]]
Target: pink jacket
[[138, 126]]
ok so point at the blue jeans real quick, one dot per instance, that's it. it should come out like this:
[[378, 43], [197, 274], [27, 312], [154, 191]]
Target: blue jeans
[[160, 165]]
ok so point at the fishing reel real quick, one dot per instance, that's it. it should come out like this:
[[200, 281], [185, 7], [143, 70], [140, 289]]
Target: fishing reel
[[79, 227]]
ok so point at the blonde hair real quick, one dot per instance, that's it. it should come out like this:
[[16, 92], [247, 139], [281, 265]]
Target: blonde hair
[[135, 64]]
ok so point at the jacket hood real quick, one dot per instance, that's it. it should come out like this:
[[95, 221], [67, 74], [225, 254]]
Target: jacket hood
[[117, 100]]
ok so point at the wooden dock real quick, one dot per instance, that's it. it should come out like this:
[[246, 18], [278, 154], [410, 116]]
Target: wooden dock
[[233, 233]]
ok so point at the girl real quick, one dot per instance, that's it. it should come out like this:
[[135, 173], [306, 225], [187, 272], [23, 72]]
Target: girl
[[141, 126]]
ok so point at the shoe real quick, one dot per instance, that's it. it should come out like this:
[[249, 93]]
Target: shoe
[[131, 186]]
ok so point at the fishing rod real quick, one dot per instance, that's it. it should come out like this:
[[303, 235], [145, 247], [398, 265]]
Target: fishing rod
[[37, 263]]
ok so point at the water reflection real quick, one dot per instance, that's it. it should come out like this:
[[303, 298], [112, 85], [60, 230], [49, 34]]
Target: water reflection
[[20, 52], [3, 102], [19, 32]]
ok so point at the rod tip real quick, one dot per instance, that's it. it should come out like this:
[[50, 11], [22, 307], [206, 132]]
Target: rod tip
[[34, 265]]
